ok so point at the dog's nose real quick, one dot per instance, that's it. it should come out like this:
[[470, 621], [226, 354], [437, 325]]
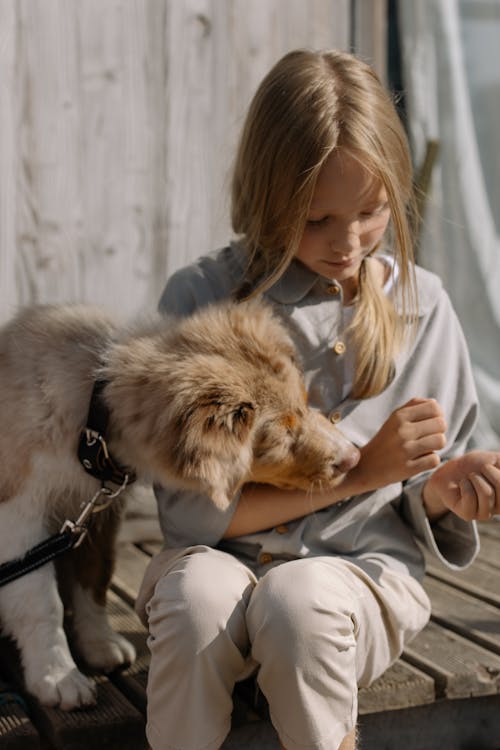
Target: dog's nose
[[348, 460]]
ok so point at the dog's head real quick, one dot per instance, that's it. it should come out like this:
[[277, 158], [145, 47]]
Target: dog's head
[[217, 400]]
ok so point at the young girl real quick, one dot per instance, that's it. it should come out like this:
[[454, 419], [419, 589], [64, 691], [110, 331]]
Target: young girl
[[320, 592]]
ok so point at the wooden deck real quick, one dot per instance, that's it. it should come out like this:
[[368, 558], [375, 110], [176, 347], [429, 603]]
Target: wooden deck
[[443, 694]]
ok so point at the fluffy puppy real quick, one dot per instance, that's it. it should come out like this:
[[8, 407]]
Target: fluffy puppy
[[207, 403]]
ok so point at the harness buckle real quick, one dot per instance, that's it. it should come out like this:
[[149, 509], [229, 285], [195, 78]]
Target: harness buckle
[[93, 437], [95, 458], [79, 531], [80, 526]]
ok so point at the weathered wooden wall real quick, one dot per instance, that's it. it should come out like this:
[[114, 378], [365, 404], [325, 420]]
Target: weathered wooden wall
[[118, 120]]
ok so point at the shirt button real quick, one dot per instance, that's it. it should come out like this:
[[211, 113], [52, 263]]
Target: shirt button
[[265, 558], [333, 289], [281, 529], [335, 417], [339, 347]]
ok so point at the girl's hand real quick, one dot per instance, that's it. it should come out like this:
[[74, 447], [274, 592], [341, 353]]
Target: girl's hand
[[406, 443], [468, 486]]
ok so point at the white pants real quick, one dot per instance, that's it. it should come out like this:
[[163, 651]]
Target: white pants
[[315, 627]]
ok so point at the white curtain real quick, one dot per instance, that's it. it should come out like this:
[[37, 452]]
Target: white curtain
[[450, 53]]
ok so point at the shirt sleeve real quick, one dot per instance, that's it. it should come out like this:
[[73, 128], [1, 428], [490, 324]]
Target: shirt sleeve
[[453, 541], [211, 279], [189, 518], [443, 352], [184, 292]]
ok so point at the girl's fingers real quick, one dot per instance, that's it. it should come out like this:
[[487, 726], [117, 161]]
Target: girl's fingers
[[423, 463], [425, 427], [479, 497], [491, 472], [417, 410], [428, 444], [468, 504]]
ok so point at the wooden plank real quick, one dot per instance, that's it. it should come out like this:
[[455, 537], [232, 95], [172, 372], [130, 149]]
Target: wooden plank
[[480, 580], [490, 550], [443, 725], [16, 730], [401, 686], [124, 620], [460, 668], [112, 723], [141, 522], [370, 34], [9, 114], [48, 201], [122, 92], [256, 735], [130, 565], [490, 528], [464, 614], [151, 548], [131, 681]]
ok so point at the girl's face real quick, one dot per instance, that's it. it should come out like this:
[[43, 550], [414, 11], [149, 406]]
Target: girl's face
[[348, 216]]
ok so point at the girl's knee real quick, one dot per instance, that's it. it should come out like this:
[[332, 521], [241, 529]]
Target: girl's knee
[[297, 606], [203, 595]]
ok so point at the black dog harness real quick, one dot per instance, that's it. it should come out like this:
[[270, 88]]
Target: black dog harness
[[96, 460], [92, 449]]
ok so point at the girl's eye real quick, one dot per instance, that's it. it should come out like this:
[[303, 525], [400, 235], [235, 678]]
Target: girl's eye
[[378, 211], [316, 223]]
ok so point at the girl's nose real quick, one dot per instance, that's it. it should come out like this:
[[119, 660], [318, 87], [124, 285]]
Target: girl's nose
[[345, 238]]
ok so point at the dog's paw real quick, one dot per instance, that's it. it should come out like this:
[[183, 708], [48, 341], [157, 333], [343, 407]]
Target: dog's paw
[[107, 652], [66, 690]]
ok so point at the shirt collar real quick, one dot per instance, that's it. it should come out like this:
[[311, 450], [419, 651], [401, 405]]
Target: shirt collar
[[292, 286], [298, 281]]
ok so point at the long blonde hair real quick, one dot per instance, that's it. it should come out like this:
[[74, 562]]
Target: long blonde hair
[[308, 105]]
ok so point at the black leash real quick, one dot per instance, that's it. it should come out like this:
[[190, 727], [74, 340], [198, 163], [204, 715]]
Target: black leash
[[96, 460], [37, 556]]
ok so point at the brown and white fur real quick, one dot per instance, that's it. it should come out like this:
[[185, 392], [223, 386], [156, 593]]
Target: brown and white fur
[[209, 403]]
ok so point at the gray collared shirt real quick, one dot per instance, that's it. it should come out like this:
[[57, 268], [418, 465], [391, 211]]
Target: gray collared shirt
[[377, 528]]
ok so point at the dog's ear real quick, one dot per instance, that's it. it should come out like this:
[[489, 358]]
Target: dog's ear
[[218, 438], [234, 418]]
